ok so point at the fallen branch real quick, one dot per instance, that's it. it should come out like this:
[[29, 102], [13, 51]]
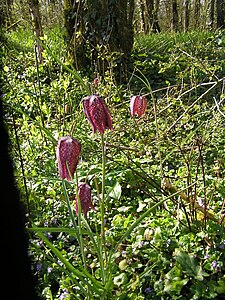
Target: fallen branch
[[172, 189]]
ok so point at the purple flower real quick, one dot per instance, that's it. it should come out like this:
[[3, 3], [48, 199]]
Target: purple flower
[[40, 243], [54, 220], [84, 193], [141, 244], [97, 113], [168, 242], [206, 256], [59, 263], [64, 294], [49, 269], [214, 264], [222, 246], [49, 235], [39, 266], [148, 290], [138, 105], [67, 153]]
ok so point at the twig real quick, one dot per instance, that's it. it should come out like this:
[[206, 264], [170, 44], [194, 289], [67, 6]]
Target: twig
[[201, 63], [217, 105], [121, 147], [193, 104], [13, 25]]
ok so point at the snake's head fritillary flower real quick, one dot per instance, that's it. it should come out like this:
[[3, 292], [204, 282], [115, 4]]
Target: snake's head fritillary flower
[[67, 154], [84, 193], [97, 113], [138, 105]]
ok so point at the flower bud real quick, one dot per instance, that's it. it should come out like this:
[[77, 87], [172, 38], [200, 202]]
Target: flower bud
[[138, 105], [67, 154], [84, 193], [96, 81], [97, 113]]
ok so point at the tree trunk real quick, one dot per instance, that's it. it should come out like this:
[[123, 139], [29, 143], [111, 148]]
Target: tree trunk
[[186, 15], [156, 10], [174, 23], [73, 14], [98, 28], [2, 18], [6, 14], [197, 6], [111, 24], [152, 11], [220, 11], [210, 14], [121, 35], [121, 39], [37, 27], [143, 17]]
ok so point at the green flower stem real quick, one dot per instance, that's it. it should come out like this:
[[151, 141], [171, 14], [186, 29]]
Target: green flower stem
[[99, 240], [102, 206], [148, 86], [70, 210], [157, 135], [78, 228], [80, 231]]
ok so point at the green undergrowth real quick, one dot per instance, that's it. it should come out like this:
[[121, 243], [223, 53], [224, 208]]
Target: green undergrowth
[[164, 215]]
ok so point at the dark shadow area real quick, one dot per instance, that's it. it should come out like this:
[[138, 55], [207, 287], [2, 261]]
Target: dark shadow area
[[17, 280]]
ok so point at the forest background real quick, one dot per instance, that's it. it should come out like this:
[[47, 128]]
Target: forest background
[[157, 180]]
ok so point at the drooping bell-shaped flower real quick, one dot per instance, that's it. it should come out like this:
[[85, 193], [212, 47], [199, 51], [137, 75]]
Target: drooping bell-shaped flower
[[138, 105], [67, 154], [84, 193], [97, 113]]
